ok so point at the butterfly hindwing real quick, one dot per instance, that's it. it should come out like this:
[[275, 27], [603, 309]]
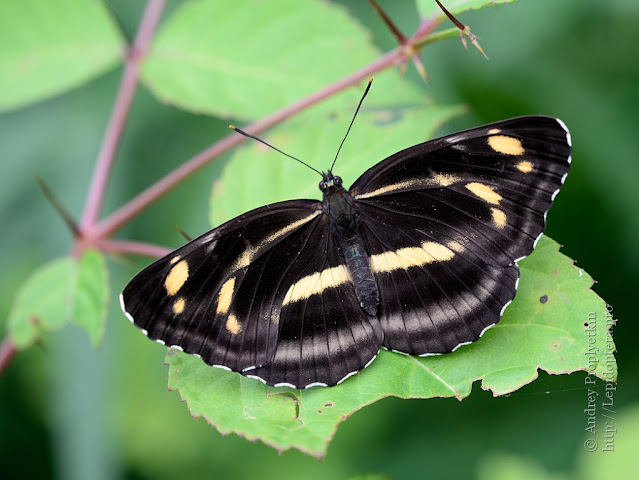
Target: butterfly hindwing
[[324, 335], [435, 295]]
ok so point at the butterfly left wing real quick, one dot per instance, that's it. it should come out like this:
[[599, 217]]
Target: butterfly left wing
[[200, 297], [446, 221]]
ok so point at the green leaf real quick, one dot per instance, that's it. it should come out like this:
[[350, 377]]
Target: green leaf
[[287, 50], [532, 335], [62, 291], [42, 303], [91, 295], [508, 466], [370, 476], [257, 175], [49, 47], [430, 9], [616, 440]]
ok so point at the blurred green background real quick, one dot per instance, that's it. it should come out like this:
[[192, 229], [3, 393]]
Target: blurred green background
[[67, 411]]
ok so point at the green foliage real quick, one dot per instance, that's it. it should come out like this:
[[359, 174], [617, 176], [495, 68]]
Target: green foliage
[[47, 48], [615, 459], [42, 303], [532, 335], [370, 476], [90, 295], [63, 290], [619, 457], [504, 466], [430, 9], [209, 68]]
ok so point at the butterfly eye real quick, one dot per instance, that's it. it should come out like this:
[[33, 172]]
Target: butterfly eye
[[322, 185], [337, 180]]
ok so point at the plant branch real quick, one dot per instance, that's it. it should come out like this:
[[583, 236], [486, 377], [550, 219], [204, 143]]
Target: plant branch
[[119, 115], [426, 27], [112, 223], [138, 248], [7, 352], [120, 217], [436, 37]]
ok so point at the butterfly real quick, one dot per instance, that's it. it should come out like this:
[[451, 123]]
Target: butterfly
[[419, 256]]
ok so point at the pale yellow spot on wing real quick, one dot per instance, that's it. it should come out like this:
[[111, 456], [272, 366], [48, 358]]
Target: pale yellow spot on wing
[[407, 257], [178, 306], [493, 131], [225, 296], [232, 325], [499, 217], [484, 192], [455, 246], [317, 283], [505, 145], [438, 180], [524, 166], [174, 259], [176, 277], [249, 254]]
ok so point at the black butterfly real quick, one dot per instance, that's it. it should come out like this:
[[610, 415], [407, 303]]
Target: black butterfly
[[419, 256]]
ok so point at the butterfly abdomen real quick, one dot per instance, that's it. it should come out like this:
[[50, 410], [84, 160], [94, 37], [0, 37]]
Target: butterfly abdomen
[[359, 267], [343, 217]]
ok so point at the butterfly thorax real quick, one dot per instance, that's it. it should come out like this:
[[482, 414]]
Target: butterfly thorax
[[338, 205], [343, 219]]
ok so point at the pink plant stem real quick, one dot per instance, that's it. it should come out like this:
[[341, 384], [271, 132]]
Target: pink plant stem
[[426, 27], [119, 218], [138, 248], [121, 107]]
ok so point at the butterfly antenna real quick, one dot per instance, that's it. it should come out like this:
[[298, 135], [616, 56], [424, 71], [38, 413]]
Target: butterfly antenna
[[242, 132], [368, 87]]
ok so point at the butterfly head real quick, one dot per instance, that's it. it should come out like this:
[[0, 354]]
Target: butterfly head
[[330, 182]]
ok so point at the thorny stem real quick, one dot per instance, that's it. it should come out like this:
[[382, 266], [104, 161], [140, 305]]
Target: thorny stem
[[120, 217], [119, 115], [124, 214]]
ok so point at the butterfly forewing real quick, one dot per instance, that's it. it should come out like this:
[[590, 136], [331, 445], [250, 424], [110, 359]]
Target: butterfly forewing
[[489, 187], [441, 225], [217, 296]]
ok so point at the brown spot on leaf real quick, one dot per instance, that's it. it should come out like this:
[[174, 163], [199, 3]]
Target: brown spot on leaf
[[326, 405]]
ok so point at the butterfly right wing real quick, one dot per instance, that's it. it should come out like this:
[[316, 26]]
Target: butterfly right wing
[[445, 223]]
